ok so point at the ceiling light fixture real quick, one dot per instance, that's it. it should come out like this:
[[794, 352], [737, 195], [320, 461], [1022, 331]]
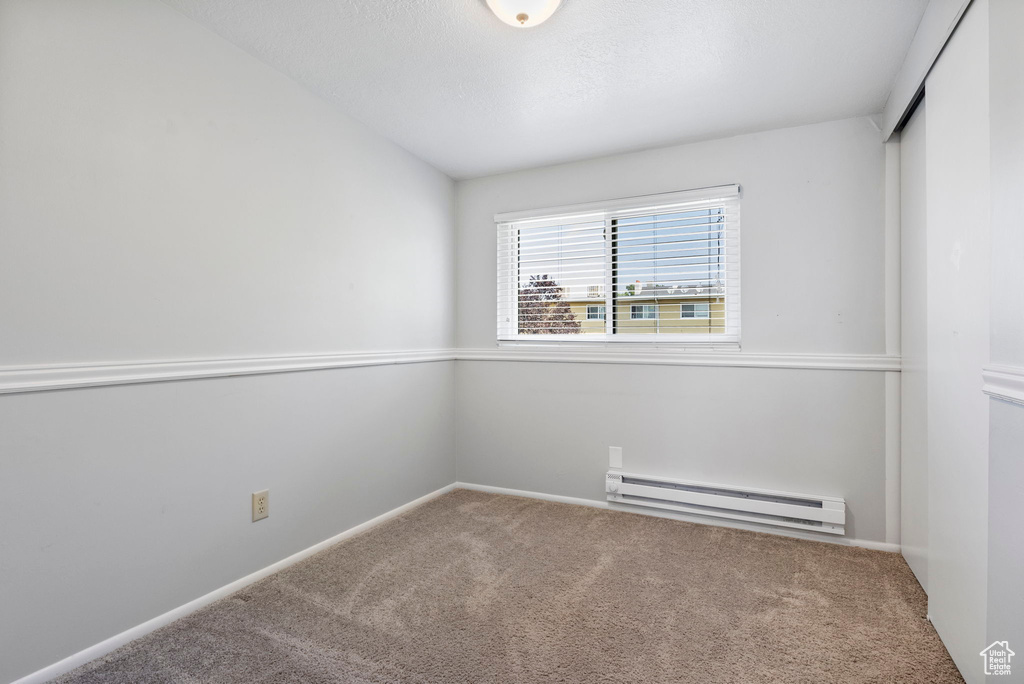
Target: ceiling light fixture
[[523, 13]]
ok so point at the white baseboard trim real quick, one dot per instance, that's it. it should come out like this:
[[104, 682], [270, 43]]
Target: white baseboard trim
[[104, 647], [1004, 382], [593, 503]]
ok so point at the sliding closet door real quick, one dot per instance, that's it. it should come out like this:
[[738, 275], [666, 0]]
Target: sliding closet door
[[959, 293], [914, 288]]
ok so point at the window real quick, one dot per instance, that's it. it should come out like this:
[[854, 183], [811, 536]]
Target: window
[[695, 310], [643, 258], [643, 311]]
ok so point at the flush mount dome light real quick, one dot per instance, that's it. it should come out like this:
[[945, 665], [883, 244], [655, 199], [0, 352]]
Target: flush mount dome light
[[523, 13]]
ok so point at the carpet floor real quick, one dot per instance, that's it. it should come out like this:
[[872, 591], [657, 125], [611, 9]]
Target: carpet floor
[[474, 587]]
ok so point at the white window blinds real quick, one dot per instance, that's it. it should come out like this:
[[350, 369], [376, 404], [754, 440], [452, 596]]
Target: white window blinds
[[664, 267]]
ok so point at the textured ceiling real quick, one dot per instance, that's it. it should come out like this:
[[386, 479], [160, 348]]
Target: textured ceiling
[[451, 83]]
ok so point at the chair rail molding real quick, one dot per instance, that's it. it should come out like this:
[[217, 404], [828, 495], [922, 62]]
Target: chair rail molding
[[17, 379], [48, 377], [1004, 382]]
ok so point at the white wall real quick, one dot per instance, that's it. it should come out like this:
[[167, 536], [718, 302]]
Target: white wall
[[165, 196], [1005, 544], [1006, 464], [812, 195], [791, 430], [914, 340], [959, 290], [813, 246], [1007, 164], [122, 503]]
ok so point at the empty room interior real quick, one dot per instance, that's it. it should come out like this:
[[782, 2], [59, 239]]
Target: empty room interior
[[519, 341]]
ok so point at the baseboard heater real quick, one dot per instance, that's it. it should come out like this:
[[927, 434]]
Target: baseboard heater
[[782, 509]]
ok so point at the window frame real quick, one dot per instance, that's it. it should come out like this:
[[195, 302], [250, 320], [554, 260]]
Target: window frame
[[695, 317], [601, 316], [607, 212], [654, 310]]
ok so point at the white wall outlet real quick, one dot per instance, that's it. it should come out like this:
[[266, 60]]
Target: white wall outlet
[[260, 505], [614, 457]]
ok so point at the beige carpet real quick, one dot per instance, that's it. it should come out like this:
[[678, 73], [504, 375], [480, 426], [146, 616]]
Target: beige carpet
[[476, 587]]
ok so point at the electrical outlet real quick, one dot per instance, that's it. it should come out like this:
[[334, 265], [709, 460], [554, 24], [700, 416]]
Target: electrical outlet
[[614, 457], [260, 505]]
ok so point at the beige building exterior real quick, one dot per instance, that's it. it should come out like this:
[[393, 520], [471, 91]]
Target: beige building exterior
[[654, 310]]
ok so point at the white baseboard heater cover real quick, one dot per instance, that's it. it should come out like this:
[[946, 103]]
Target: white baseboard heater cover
[[781, 509]]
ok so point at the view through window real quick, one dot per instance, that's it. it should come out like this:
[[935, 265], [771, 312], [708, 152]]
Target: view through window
[[655, 266]]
